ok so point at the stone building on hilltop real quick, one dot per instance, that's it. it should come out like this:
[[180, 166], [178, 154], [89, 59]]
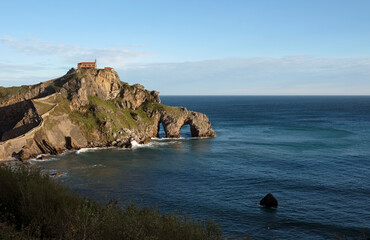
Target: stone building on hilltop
[[85, 65]]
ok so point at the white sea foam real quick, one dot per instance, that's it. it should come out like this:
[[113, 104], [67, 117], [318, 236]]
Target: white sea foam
[[134, 144], [38, 158], [155, 142], [97, 165], [82, 150], [167, 139]]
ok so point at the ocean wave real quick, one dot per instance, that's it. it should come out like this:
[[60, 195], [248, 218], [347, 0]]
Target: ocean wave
[[134, 144], [92, 149], [155, 142]]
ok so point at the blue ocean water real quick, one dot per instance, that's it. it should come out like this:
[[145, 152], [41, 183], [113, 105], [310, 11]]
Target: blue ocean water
[[312, 153]]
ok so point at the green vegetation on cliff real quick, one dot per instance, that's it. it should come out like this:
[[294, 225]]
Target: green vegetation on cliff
[[11, 91], [108, 115], [33, 206]]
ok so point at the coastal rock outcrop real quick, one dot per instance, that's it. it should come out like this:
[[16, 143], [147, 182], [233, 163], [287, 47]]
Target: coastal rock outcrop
[[87, 108], [173, 121]]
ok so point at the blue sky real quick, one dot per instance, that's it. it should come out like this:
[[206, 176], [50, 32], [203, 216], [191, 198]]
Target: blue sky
[[194, 47]]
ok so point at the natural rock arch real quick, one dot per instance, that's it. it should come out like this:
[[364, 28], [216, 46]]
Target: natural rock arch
[[174, 120]]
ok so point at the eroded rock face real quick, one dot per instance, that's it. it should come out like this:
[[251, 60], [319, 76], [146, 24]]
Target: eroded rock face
[[104, 84], [134, 96]]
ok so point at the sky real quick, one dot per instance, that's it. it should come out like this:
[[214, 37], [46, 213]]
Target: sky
[[202, 47]]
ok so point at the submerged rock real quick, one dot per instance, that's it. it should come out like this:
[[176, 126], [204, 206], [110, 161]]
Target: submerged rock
[[269, 201], [58, 174]]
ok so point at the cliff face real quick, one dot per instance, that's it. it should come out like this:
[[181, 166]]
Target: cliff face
[[86, 108]]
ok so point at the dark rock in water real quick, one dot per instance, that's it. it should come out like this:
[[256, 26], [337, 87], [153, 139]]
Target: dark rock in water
[[269, 201], [58, 174], [127, 145], [43, 157], [145, 140]]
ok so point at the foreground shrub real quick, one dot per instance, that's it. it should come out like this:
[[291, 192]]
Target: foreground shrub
[[36, 206]]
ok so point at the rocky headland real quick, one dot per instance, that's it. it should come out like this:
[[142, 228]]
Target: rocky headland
[[86, 108]]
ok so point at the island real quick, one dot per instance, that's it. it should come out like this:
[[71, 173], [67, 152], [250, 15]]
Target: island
[[87, 107]]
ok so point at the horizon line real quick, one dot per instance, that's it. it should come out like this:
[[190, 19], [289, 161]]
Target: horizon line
[[266, 95]]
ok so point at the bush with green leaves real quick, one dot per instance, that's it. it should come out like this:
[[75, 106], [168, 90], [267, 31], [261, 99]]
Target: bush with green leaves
[[37, 207]]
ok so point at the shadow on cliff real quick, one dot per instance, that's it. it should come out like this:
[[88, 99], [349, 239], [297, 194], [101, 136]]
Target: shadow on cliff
[[17, 119]]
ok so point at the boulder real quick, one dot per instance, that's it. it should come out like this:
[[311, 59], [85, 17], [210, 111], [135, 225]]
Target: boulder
[[145, 140], [269, 201], [72, 71], [127, 145]]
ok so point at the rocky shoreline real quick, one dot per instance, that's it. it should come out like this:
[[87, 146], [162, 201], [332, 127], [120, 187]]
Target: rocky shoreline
[[85, 109]]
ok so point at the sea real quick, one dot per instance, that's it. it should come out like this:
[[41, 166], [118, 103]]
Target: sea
[[311, 152]]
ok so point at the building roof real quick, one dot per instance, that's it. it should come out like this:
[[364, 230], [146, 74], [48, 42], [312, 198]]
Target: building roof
[[86, 62]]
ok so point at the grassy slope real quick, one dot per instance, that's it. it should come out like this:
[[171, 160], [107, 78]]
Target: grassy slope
[[33, 206], [91, 120], [42, 107]]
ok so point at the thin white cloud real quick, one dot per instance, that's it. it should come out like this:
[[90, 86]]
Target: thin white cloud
[[266, 65], [72, 52], [299, 74], [263, 75], [26, 74]]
